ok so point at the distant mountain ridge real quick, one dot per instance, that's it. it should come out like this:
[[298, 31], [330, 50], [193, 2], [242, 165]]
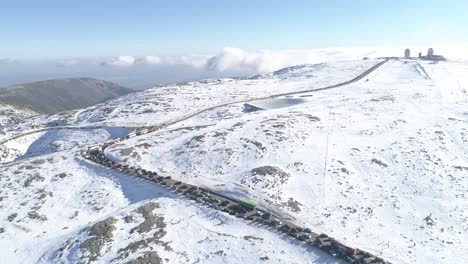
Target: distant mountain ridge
[[53, 96]]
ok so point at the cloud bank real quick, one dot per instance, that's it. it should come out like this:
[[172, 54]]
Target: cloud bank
[[234, 59], [151, 60], [122, 61], [238, 60], [196, 61], [146, 71]]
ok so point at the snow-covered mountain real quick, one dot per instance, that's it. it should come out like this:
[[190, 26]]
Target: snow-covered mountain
[[380, 164], [12, 114]]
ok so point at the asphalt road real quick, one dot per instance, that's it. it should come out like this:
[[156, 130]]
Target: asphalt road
[[168, 123], [220, 202]]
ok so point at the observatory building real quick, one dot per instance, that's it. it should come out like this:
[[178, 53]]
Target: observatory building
[[430, 52], [407, 53], [431, 56]]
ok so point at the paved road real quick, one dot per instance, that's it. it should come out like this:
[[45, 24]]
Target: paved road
[[168, 123], [234, 207], [237, 208], [62, 128]]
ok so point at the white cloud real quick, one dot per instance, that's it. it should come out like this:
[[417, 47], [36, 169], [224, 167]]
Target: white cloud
[[122, 61], [234, 59], [230, 59], [262, 61], [151, 60], [68, 63], [194, 60], [156, 60]]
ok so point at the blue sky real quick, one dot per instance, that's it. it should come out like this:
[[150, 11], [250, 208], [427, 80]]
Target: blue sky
[[51, 29]]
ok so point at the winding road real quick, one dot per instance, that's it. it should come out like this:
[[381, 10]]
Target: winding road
[[169, 123], [220, 202]]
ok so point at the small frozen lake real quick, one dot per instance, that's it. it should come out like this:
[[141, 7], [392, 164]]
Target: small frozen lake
[[272, 104]]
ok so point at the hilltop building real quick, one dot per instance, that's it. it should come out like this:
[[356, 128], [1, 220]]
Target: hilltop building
[[407, 53], [430, 52], [431, 56]]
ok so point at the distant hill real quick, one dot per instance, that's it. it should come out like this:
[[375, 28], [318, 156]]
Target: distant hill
[[53, 96]]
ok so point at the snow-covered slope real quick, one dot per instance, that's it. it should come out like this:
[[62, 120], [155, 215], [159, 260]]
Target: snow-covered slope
[[58, 208], [11, 114], [46, 142], [161, 104], [164, 104], [380, 164]]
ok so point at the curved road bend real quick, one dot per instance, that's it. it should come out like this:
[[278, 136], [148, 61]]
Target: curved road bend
[[224, 203], [232, 206], [168, 123]]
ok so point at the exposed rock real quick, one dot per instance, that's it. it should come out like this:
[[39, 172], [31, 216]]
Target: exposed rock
[[253, 238], [294, 205], [267, 170], [38, 162], [12, 217], [378, 162], [33, 178], [34, 215], [62, 175], [150, 257], [266, 177], [151, 220], [126, 151], [429, 220], [100, 234]]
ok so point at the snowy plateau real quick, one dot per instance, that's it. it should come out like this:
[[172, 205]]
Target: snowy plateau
[[380, 164]]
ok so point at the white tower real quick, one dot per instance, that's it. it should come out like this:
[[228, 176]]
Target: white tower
[[407, 53]]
